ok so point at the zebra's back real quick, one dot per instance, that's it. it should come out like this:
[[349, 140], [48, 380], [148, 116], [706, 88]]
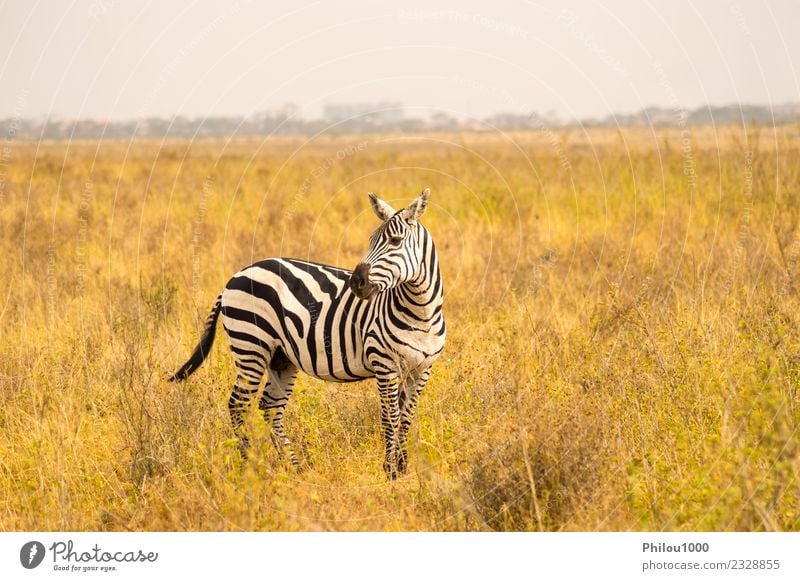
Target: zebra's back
[[304, 309]]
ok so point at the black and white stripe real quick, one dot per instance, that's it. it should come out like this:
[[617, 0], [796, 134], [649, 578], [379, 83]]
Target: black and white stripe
[[382, 320]]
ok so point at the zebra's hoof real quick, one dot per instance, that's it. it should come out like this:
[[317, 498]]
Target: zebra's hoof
[[244, 446], [402, 463], [391, 471]]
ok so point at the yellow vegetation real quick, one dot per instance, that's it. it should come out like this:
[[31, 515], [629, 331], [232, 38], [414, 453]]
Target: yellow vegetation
[[623, 348]]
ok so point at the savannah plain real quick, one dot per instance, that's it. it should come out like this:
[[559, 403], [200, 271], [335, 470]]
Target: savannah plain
[[622, 306]]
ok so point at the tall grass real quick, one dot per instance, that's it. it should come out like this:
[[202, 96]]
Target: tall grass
[[623, 348]]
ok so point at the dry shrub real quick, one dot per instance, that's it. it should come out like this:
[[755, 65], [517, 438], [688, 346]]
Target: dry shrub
[[541, 477]]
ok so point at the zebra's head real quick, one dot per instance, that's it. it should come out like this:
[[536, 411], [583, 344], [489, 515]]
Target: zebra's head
[[395, 248]]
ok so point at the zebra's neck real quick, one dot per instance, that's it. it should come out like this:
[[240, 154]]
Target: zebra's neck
[[419, 301]]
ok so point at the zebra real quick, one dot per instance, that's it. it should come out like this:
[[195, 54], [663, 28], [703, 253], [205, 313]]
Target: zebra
[[382, 320]]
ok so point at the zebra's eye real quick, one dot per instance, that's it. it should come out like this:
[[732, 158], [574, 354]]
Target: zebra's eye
[[396, 240]]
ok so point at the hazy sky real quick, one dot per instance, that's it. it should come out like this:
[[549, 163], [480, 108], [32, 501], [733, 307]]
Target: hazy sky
[[124, 59]]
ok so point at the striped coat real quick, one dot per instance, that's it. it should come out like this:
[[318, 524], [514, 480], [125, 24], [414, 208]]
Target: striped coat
[[383, 320]]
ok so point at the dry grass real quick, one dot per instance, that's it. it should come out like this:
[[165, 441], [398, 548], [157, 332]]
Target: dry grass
[[623, 348]]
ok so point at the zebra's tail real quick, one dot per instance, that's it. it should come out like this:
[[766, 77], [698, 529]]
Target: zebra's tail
[[203, 347]]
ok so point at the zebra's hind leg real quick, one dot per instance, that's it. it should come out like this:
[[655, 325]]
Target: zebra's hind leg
[[248, 380], [278, 390]]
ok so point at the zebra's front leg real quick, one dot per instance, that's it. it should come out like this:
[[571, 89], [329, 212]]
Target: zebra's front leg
[[277, 392], [390, 417], [408, 407]]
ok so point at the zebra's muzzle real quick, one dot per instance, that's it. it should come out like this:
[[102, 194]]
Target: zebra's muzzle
[[360, 284]]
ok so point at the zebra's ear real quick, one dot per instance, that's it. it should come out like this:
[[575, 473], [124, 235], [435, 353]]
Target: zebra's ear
[[382, 210], [416, 208]]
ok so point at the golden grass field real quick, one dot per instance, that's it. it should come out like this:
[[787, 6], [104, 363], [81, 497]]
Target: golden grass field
[[623, 349]]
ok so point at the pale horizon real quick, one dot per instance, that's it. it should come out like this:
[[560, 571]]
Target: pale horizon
[[104, 59]]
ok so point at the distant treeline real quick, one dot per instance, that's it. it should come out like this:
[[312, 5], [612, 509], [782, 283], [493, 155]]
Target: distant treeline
[[378, 121]]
